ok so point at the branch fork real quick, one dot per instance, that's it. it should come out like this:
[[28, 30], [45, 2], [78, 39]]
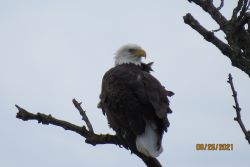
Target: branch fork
[[88, 133], [236, 29]]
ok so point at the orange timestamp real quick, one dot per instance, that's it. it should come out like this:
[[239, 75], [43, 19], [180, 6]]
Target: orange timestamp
[[214, 147]]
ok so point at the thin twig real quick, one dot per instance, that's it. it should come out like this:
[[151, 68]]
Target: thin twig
[[238, 109], [221, 5], [245, 7], [216, 30], [237, 9], [83, 114], [209, 7], [248, 6]]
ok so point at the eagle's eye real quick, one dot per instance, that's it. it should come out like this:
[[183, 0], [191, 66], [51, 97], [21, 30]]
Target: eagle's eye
[[131, 50]]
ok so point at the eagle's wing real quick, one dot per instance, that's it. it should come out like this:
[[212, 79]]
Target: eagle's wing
[[157, 95], [118, 100], [130, 94], [151, 91]]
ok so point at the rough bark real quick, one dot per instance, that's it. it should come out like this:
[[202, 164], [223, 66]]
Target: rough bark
[[237, 48], [238, 109], [88, 133], [236, 29]]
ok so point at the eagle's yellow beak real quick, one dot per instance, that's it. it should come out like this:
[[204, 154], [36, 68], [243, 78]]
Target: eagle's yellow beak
[[139, 53]]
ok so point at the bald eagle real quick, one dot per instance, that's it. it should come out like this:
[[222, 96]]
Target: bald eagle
[[135, 102]]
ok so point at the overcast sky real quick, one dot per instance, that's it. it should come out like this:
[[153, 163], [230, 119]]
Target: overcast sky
[[54, 50]]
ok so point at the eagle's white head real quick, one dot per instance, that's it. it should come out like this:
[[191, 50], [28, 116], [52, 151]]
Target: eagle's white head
[[129, 53]]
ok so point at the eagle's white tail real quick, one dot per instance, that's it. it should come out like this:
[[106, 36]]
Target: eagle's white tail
[[146, 143]]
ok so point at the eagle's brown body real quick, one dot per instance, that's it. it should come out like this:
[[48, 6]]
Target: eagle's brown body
[[132, 98]]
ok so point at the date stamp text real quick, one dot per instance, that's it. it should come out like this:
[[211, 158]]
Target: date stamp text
[[214, 147]]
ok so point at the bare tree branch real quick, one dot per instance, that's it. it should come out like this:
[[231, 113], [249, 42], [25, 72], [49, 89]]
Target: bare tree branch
[[244, 8], [236, 29], [208, 35], [238, 109], [221, 5], [91, 138], [89, 135], [208, 7], [83, 114], [237, 9]]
